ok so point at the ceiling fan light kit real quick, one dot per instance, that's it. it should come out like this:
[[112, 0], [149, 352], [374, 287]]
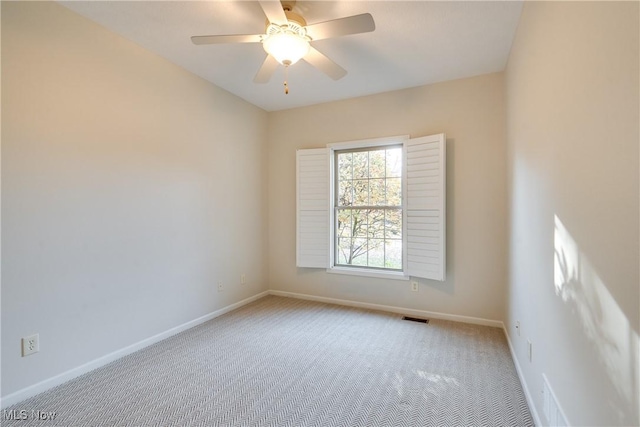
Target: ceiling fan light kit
[[286, 43], [288, 38]]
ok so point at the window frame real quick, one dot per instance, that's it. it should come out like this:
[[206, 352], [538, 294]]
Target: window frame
[[364, 145], [425, 211]]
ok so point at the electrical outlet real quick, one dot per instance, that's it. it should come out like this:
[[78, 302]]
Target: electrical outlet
[[220, 287], [415, 286], [243, 279], [518, 327], [30, 344], [530, 347]]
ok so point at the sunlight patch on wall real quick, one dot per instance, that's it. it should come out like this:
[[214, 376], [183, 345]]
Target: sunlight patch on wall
[[602, 320]]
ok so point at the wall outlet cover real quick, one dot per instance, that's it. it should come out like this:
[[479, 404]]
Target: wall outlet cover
[[30, 344]]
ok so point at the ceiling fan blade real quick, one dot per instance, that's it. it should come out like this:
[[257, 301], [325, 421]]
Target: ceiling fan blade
[[266, 70], [324, 64], [274, 11], [230, 38], [341, 27]]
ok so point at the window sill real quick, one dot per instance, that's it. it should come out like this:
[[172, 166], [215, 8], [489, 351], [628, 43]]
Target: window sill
[[393, 275]]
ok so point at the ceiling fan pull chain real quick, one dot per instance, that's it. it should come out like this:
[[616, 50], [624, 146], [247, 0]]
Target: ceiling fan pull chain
[[286, 77]]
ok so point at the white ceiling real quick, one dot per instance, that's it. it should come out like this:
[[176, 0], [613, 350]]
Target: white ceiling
[[415, 43]]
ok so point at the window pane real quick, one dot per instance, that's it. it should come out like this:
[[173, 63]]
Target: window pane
[[393, 224], [394, 162], [359, 223], [375, 224], [361, 192], [359, 252], [360, 164], [344, 223], [377, 192], [345, 193], [377, 164], [394, 191], [393, 252], [344, 165], [376, 253], [344, 251], [369, 237]]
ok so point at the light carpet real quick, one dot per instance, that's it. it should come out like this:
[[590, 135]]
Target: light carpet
[[287, 362]]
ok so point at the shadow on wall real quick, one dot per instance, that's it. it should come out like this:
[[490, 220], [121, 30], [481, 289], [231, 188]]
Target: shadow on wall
[[603, 322]]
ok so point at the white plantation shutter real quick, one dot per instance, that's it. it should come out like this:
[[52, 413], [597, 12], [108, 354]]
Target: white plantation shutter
[[425, 207], [312, 199]]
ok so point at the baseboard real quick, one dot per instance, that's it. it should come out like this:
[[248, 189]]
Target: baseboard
[[47, 384], [525, 387], [393, 309]]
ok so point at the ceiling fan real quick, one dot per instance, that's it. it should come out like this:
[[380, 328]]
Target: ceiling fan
[[287, 39]]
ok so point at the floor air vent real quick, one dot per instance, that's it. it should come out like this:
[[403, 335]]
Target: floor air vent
[[415, 319]]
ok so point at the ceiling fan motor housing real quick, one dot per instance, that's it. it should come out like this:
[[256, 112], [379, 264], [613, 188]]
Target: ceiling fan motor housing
[[295, 23]]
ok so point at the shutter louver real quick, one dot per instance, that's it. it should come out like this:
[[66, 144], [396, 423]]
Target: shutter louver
[[312, 202], [426, 202]]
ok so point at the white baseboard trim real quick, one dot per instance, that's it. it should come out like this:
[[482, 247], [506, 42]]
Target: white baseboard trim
[[47, 384], [525, 387], [393, 309]]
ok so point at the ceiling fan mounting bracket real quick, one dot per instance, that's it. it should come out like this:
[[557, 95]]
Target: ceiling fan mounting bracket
[[288, 5]]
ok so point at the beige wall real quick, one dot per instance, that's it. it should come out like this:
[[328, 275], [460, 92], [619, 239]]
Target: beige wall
[[471, 113], [572, 108], [130, 187]]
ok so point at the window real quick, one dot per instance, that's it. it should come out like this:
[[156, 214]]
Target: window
[[368, 207], [373, 208]]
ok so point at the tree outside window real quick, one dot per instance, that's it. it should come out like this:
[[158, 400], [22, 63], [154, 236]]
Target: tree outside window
[[369, 208]]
